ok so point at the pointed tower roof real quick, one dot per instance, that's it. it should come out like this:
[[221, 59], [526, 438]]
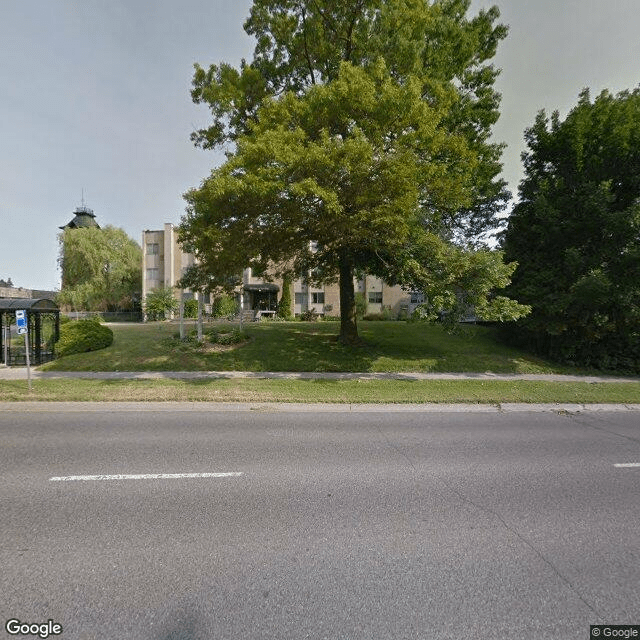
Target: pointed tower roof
[[83, 218]]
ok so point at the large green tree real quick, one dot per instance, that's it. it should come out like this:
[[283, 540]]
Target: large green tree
[[576, 233], [101, 269], [361, 127]]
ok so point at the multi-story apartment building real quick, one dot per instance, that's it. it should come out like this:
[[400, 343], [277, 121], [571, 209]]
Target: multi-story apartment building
[[164, 263]]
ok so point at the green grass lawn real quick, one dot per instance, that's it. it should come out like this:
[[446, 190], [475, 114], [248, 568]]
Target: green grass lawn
[[301, 346], [318, 390], [304, 346]]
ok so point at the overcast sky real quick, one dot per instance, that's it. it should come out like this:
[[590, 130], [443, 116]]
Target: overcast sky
[[94, 96]]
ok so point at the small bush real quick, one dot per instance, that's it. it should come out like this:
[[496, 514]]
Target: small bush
[[385, 314], [83, 335], [191, 308], [224, 306], [310, 315], [226, 337]]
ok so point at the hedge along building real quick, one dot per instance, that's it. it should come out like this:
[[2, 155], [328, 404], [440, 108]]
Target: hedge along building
[[164, 262], [43, 330]]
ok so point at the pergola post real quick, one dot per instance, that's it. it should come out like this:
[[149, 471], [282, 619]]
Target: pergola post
[[38, 338], [3, 351]]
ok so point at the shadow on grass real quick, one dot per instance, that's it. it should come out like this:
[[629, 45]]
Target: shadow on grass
[[313, 347]]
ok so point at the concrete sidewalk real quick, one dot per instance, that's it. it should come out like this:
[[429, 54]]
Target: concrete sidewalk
[[19, 373]]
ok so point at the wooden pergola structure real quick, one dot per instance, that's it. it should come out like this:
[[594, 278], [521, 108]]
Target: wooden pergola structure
[[39, 312]]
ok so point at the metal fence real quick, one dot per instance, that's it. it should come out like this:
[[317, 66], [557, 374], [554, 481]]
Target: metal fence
[[107, 316]]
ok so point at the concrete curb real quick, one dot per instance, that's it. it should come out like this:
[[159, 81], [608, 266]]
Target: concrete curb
[[285, 407]]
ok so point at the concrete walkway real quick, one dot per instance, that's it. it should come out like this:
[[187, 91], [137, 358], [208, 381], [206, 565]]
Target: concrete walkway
[[19, 373]]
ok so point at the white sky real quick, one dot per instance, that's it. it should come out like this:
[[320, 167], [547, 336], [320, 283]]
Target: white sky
[[94, 96]]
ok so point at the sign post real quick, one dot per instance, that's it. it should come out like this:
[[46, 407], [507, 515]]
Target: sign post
[[21, 322]]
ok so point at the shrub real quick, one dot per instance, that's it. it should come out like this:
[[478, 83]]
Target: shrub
[[361, 305], [191, 308], [226, 336], [224, 306], [159, 303], [284, 305], [310, 315], [83, 335]]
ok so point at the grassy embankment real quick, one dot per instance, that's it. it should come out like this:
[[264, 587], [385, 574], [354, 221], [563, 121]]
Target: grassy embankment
[[390, 347]]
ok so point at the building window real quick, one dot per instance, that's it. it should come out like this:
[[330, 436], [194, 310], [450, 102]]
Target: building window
[[317, 298], [417, 297], [301, 298], [153, 248], [153, 274], [375, 297]]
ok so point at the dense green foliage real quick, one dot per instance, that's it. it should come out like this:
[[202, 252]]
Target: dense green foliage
[[226, 336], [191, 308], [361, 305], [284, 304], [576, 234], [224, 306], [101, 270], [160, 303], [83, 335], [361, 130]]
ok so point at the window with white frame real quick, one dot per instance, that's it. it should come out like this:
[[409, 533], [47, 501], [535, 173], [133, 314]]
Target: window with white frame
[[153, 273], [153, 248], [317, 297], [375, 297]]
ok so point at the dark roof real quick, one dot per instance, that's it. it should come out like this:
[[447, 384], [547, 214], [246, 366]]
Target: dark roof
[[34, 304], [84, 218]]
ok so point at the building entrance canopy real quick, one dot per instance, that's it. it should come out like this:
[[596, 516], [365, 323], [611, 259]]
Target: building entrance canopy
[[267, 286]]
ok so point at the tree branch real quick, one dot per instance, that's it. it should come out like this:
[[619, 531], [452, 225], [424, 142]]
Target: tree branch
[[306, 48]]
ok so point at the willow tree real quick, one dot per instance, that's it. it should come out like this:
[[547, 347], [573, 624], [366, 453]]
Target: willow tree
[[360, 129], [101, 269]]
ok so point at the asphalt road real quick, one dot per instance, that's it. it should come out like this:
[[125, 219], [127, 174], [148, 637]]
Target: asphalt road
[[355, 525]]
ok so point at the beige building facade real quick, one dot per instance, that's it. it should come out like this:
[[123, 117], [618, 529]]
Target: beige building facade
[[164, 262]]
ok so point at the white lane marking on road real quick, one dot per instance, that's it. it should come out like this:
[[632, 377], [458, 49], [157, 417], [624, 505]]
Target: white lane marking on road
[[146, 476], [627, 464]]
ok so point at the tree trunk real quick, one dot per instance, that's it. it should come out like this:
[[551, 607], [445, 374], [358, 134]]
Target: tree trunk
[[200, 305], [348, 327]]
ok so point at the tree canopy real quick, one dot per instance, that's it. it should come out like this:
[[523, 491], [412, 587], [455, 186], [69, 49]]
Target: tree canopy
[[101, 269], [360, 143], [576, 233]]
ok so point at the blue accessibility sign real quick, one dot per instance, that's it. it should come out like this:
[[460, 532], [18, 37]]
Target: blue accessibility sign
[[21, 321]]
